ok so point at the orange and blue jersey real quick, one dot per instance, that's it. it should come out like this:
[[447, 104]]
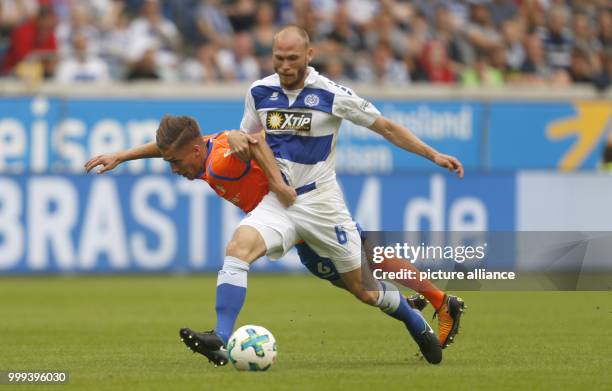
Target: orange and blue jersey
[[242, 183]]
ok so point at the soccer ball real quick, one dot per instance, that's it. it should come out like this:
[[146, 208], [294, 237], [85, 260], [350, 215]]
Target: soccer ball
[[252, 348]]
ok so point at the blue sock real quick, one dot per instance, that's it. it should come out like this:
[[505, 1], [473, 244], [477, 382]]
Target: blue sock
[[231, 292], [413, 319], [394, 304]]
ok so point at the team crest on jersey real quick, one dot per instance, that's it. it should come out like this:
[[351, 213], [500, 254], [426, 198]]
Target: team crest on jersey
[[282, 120], [311, 100]]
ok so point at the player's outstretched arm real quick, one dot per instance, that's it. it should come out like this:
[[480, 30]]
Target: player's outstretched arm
[[108, 161], [261, 152], [405, 139]]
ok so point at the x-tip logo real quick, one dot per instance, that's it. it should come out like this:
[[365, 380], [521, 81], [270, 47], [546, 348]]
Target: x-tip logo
[[282, 120]]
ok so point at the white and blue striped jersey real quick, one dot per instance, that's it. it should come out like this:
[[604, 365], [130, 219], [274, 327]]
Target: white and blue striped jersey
[[301, 126]]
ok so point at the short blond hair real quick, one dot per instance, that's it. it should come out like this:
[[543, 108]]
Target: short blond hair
[[301, 32]]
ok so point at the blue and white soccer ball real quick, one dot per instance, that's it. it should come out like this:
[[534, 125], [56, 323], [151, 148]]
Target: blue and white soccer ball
[[252, 348]]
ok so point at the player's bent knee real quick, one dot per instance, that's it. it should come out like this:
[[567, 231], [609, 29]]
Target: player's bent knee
[[237, 250], [244, 251], [246, 244]]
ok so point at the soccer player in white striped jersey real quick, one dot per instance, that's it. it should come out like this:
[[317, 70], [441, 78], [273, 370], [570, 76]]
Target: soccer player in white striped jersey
[[301, 112]]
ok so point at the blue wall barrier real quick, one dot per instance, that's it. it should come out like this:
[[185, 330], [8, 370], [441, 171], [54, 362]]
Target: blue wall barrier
[[47, 134], [455, 128], [165, 223], [54, 219], [157, 223], [541, 135], [59, 135]]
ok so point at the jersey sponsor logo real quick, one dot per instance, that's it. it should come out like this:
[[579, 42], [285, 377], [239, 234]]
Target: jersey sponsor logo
[[281, 120], [274, 96], [311, 100]]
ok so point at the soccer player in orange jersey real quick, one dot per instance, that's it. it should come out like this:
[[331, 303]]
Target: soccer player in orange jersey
[[210, 158]]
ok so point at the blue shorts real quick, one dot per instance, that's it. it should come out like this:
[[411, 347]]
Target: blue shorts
[[321, 267]]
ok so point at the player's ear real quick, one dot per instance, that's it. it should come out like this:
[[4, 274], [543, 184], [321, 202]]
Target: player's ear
[[309, 54], [196, 149]]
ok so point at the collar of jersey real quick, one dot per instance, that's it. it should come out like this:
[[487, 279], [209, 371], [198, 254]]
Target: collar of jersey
[[209, 146], [312, 76]]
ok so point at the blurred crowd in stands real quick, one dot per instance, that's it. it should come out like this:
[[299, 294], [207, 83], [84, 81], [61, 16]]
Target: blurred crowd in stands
[[386, 42]]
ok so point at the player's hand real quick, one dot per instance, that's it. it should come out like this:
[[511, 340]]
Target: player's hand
[[239, 144], [286, 194], [107, 161], [450, 162]]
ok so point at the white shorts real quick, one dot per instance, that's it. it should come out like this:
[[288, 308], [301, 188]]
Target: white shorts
[[319, 217]]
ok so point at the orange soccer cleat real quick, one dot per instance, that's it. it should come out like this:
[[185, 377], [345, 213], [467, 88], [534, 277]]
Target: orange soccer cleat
[[449, 315]]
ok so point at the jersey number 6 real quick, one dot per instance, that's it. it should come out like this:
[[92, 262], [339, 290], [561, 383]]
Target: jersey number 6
[[341, 234]]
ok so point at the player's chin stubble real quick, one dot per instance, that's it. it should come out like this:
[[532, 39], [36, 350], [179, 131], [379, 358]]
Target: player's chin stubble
[[294, 82]]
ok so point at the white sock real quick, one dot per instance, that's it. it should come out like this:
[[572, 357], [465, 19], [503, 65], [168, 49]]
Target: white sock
[[234, 272], [388, 297]]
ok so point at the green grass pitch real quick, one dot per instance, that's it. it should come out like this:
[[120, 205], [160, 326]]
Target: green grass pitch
[[122, 333]]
